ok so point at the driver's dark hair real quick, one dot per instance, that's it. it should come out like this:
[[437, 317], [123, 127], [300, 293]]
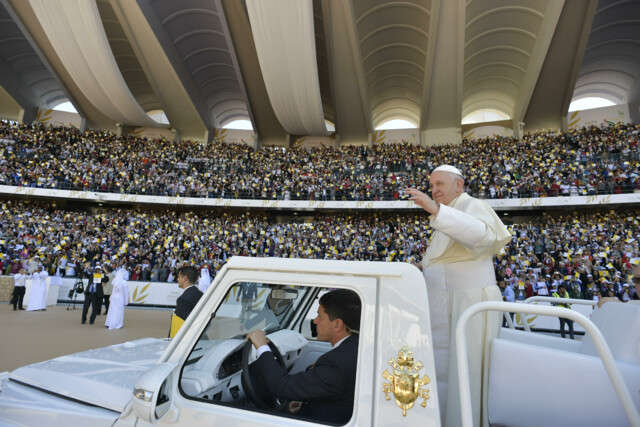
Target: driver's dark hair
[[345, 305], [190, 272]]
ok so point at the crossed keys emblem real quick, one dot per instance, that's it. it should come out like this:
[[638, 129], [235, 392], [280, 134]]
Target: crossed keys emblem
[[405, 382]]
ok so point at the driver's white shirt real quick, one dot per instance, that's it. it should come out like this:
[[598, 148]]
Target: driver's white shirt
[[265, 348]]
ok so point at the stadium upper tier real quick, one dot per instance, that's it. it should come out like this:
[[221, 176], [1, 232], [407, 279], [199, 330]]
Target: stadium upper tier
[[590, 251], [587, 161]]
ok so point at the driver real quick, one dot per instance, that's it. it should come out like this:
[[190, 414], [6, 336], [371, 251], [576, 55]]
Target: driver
[[326, 389]]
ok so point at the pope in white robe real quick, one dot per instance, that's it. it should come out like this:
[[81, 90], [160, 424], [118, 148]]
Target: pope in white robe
[[119, 298], [458, 270], [37, 298]]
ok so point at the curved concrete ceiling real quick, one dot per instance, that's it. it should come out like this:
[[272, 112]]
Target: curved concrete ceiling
[[505, 46], [285, 38], [27, 17], [126, 59], [265, 122], [24, 73], [611, 64], [326, 92], [195, 36], [75, 31], [551, 97], [161, 74], [427, 61], [393, 40]]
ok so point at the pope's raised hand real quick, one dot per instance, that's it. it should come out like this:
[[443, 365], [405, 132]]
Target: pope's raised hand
[[423, 200]]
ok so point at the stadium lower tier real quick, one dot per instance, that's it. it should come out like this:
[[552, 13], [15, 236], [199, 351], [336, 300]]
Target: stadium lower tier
[[590, 251]]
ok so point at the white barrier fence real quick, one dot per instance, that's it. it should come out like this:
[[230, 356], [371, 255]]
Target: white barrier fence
[[140, 293], [497, 204]]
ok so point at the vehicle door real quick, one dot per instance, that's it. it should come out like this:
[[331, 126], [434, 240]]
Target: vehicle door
[[169, 404]]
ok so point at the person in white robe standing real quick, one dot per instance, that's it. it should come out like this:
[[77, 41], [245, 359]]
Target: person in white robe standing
[[205, 279], [38, 292], [458, 270], [119, 298]]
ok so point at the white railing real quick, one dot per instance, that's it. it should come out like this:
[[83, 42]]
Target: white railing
[[552, 300], [603, 350]]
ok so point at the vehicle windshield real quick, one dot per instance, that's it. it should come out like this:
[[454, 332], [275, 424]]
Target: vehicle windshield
[[249, 306]]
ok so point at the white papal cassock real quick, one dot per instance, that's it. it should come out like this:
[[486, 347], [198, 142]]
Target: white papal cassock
[[119, 298], [458, 269], [38, 291]]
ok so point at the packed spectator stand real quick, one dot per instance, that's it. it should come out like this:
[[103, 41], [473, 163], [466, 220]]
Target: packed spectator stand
[[585, 161], [588, 251]]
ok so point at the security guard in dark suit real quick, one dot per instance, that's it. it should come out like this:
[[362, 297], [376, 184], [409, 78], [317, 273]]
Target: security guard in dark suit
[[325, 392], [187, 279], [93, 294]]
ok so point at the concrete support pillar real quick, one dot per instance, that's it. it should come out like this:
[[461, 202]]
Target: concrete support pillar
[[175, 133], [518, 129], [338, 139], [123, 130], [209, 135], [634, 112], [27, 115]]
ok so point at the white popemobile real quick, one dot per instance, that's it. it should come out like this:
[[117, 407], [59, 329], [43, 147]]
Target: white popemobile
[[203, 376]]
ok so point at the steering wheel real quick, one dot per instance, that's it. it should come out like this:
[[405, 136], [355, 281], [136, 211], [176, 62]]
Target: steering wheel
[[257, 393]]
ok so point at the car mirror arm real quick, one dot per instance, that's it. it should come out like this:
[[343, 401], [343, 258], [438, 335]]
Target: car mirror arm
[[150, 391]]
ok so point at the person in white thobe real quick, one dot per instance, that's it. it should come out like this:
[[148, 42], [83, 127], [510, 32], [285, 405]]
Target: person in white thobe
[[458, 270], [38, 291], [205, 279], [119, 298]]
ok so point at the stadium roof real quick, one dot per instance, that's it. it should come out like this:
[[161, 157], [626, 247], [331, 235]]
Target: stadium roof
[[288, 65]]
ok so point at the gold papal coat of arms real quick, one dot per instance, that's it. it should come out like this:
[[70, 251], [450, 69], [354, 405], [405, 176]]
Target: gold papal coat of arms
[[405, 382]]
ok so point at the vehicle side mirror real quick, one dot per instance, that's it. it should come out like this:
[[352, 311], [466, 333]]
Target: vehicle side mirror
[[152, 395]]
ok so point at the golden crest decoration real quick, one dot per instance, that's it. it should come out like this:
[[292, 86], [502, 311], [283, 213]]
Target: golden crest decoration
[[405, 382]]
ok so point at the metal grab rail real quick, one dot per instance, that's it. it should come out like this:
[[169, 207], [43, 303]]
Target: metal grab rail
[[562, 300], [553, 300], [601, 345]]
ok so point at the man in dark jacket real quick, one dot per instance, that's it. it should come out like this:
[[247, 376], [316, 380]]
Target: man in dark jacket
[[325, 392], [187, 279], [93, 294]]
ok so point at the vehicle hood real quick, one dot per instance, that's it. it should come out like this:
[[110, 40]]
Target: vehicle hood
[[103, 377]]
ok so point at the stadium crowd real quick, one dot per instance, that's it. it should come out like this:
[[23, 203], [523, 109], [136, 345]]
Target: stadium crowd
[[589, 252], [587, 161]]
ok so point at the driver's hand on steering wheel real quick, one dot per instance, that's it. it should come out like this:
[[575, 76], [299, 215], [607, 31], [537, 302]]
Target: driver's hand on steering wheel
[[258, 338], [294, 407]]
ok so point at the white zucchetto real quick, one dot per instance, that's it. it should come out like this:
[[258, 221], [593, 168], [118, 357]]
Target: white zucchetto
[[448, 168]]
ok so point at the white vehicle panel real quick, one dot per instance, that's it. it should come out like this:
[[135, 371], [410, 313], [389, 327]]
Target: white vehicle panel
[[102, 377], [93, 387], [26, 406]]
